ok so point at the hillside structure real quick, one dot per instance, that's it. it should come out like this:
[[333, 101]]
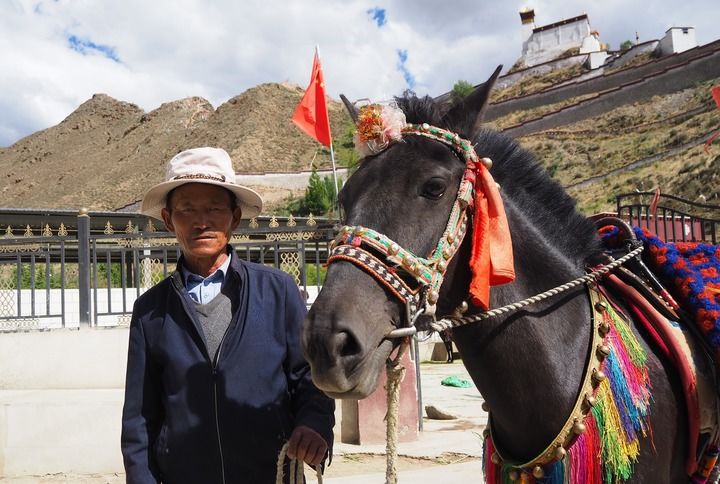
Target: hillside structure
[[574, 36], [676, 40], [570, 36]]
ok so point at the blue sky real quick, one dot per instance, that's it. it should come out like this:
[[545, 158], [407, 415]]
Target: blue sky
[[57, 53], [88, 47]]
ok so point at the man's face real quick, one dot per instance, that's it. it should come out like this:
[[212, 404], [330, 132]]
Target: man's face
[[202, 219]]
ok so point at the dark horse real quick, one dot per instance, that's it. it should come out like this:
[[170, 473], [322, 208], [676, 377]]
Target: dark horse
[[528, 365]]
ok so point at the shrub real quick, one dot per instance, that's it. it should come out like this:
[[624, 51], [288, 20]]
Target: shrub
[[461, 90]]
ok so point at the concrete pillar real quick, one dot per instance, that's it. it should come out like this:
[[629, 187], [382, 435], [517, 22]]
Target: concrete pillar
[[363, 421], [83, 235]]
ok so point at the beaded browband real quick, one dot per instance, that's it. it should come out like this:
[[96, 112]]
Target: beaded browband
[[383, 258]]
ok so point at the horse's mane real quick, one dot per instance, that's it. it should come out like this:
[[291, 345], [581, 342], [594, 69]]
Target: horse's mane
[[540, 198]]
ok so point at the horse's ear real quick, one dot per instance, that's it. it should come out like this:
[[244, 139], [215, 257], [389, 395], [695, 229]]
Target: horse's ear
[[466, 115], [351, 109]]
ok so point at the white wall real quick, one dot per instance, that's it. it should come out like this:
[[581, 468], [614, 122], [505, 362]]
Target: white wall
[[61, 391], [294, 181], [61, 395], [677, 39], [548, 44]]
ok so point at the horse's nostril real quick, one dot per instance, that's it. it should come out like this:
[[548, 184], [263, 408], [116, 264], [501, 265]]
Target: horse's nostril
[[346, 344]]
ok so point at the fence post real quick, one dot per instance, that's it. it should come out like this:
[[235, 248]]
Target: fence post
[[83, 235]]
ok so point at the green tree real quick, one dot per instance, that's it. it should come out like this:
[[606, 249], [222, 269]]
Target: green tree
[[115, 276], [26, 281], [319, 195], [344, 147], [313, 276], [461, 90], [626, 45]]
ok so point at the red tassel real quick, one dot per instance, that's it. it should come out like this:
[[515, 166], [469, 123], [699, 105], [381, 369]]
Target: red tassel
[[584, 455], [492, 471], [595, 475]]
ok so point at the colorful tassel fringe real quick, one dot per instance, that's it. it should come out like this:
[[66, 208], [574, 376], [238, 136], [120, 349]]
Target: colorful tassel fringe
[[606, 452]]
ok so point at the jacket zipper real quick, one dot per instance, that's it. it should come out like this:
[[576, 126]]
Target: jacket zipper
[[215, 401], [213, 364]]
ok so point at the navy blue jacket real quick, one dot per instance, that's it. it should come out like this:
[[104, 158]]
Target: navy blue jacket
[[189, 419]]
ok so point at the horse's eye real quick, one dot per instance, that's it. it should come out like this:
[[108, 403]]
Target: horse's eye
[[434, 188]]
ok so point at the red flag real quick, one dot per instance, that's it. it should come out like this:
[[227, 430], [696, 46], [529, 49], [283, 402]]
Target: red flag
[[311, 114], [716, 96], [652, 209]]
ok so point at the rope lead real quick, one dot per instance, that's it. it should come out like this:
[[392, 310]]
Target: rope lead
[[451, 322], [296, 469], [395, 374]]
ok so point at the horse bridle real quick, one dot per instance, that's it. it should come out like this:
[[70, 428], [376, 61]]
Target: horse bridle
[[387, 261]]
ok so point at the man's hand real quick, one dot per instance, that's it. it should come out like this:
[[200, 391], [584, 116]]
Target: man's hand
[[307, 445]]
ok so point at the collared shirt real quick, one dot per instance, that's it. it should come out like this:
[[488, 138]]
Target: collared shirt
[[204, 289]]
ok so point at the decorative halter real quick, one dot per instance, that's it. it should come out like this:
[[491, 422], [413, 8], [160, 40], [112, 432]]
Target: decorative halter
[[385, 259]]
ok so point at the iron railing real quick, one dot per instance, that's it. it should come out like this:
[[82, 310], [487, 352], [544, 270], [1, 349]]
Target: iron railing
[[89, 273], [674, 219]]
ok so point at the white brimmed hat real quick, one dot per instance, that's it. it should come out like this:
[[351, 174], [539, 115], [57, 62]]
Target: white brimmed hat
[[200, 165]]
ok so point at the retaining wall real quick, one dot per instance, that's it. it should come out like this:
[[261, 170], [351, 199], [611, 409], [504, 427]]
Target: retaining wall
[[672, 80], [599, 83]]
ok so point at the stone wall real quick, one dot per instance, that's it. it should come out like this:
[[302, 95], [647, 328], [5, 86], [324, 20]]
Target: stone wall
[[673, 79], [539, 70], [598, 84]]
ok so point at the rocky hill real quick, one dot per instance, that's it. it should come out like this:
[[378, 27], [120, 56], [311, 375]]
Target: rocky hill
[[658, 142], [631, 146], [107, 152], [636, 134]]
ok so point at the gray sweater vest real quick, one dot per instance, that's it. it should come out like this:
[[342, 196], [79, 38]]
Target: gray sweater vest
[[215, 318]]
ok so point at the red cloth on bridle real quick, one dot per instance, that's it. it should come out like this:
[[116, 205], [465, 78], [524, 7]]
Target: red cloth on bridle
[[491, 257]]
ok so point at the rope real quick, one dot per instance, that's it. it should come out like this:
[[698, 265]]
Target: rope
[[296, 469], [395, 373], [448, 323]]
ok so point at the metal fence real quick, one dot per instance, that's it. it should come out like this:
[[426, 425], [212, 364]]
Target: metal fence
[[672, 218], [65, 276]]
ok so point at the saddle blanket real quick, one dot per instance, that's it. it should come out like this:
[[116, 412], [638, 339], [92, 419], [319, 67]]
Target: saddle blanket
[[691, 272]]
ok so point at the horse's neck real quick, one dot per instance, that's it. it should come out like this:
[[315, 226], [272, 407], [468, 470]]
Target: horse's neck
[[529, 365]]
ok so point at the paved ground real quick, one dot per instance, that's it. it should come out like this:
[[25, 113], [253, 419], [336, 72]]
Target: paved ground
[[446, 452]]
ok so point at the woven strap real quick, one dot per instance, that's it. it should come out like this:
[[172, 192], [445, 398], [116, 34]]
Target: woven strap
[[373, 266]]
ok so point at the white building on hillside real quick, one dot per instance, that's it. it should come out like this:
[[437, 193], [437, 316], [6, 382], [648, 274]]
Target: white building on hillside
[[546, 43], [677, 39]]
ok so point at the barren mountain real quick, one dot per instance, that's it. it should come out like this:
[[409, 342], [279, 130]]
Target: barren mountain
[[107, 153]]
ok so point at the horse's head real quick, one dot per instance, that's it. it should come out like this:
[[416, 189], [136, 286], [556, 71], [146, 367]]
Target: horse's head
[[404, 192]]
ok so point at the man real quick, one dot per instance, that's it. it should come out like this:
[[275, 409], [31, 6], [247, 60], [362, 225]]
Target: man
[[216, 382]]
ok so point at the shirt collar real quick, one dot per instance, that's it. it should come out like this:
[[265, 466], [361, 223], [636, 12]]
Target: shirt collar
[[218, 274]]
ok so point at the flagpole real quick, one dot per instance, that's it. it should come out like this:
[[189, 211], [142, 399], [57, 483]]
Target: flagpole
[[336, 205]]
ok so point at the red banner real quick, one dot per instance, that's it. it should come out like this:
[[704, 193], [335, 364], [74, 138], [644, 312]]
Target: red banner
[[311, 114], [716, 96]]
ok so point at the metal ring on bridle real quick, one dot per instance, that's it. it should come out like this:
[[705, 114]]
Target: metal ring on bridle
[[407, 331]]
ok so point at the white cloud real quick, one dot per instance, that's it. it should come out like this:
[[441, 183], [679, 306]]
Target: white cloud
[[170, 49]]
